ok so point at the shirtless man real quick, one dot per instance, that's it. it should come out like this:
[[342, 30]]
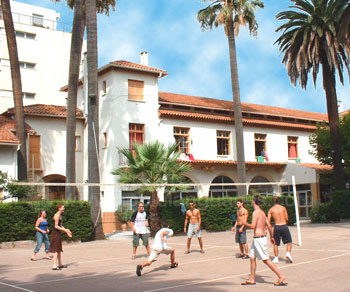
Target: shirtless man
[[259, 245], [241, 236], [280, 216], [194, 228]]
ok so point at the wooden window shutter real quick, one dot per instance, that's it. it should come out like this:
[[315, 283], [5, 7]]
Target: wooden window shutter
[[135, 89]]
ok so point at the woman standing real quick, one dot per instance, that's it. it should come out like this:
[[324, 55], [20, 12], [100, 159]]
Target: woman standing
[[56, 240], [42, 232]]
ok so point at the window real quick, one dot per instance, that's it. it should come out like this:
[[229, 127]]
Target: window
[[131, 199], [264, 189], [136, 134], [34, 152], [292, 147], [222, 191], [26, 35], [104, 87], [77, 143], [105, 140], [38, 20], [135, 89], [190, 192], [27, 65], [28, 95], [223, 142], [260, 144], [182, 136]]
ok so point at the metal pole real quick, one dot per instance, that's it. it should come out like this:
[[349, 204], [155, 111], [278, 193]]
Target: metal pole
[[296, 205]]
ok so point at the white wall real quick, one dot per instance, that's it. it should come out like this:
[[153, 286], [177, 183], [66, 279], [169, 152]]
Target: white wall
[[8, 160]]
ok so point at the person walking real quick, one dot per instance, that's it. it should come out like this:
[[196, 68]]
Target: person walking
[[194, 227], [42, 232], [56, 240], [259, 246], [240, 229], [160, 246], [280, 231], [139, 224]]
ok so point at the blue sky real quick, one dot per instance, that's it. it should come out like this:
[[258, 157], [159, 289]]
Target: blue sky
[[197, 61]]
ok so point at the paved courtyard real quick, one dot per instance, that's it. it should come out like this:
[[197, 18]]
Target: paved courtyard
[[322, 263]]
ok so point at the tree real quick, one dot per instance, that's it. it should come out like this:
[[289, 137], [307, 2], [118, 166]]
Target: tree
[[15, 191], [93, 118], [311, 37], [233, 14], [320, 142], [73, 80], [153, 163], [79, 20], [17, 88]]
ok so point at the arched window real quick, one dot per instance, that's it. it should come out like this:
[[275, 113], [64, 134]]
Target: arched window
[[261, 189], [190, 192], [222, 191]]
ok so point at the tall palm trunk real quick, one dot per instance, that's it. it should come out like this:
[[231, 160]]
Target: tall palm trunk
[[17, 89], [333, 117], [155, 223], [74, 66], [241, 171], [93, 117]]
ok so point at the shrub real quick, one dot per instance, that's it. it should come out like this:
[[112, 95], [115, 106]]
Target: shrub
[[123, 214], [341, 200], [217, 212], [324, 213], [18, 219]]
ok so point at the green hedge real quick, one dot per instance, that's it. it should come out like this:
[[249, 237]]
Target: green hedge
[[18, 219], [341, 201], [217, 212], [324, 213]]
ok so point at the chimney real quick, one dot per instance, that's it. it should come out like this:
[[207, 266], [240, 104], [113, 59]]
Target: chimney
[[144, 58]]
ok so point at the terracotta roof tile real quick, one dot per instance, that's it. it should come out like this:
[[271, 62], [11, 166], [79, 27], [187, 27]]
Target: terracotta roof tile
[[227, 119], [7, 130], [317, 166], [46, 110], [135, 66], [246, 107], [232, 162]]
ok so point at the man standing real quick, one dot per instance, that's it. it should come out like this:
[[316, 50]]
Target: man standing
[[194, 227], [259, 245], [280, 216], [241, 236], [139, 224]]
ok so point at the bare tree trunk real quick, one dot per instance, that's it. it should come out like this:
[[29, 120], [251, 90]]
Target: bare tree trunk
[[241, 171], [74, 66], [333, 117], [17, 89], [93, 117], [155, 222]]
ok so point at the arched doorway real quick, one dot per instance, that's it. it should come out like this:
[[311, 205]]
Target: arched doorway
[[222, 191], [264, 190], [55, 192], [191, 192]]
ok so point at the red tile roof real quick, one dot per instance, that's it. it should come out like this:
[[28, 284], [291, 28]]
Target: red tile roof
[[7, 130], [317, 166], [229, 120], [189, 100], [134, 66], [46, 110]]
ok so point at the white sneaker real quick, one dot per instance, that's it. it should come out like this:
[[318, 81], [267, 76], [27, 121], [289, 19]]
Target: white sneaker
[[289, 258], [275, 260]]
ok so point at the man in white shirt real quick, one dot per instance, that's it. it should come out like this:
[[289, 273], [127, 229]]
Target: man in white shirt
[[160, 246], [139, 224]]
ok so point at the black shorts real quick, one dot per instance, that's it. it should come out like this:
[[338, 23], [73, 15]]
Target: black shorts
[[282, 231]]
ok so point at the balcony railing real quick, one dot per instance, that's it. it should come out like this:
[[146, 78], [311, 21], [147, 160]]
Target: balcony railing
[[36, 20]]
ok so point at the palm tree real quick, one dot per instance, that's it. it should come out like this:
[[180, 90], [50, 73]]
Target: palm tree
[[152, 163], [73, 80], [79, 21], [17, 88], [310, 37], [233, 14]]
